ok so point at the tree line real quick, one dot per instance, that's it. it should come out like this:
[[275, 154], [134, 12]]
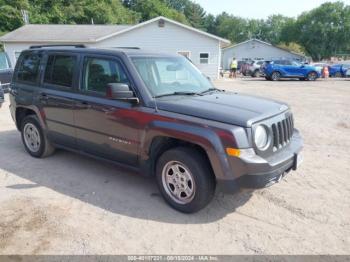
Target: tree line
[[320, 33]]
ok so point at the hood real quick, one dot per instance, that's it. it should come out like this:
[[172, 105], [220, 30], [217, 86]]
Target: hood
[[225, 107]]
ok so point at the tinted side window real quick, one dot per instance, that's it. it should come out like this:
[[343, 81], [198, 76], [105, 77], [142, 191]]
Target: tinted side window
[[100, 72], [60, 70], [28, 70]]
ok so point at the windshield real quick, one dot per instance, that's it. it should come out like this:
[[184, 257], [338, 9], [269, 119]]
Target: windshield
[[4, 63], [170, 75], [295, 63]]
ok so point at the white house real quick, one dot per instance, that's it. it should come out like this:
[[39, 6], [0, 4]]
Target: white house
[[159, 34], [255, 49]]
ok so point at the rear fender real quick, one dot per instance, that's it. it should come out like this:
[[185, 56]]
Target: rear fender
[[36, 111]]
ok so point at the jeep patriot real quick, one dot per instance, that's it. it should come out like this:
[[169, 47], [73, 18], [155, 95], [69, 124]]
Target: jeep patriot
[[156, 114]]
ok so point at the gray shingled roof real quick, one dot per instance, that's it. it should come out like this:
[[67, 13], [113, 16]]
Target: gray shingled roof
[[62, 33]]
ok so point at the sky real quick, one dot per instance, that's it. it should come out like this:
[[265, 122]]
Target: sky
[[261, 8]]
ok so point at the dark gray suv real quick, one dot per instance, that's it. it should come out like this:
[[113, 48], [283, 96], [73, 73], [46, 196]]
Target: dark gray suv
[[155, 114]]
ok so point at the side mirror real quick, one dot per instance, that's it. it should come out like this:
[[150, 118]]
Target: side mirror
[[120, 91]]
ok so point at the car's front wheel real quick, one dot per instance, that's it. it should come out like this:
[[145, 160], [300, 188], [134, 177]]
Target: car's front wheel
[[312, 76], [34, 140], [276, 76], [185, 179]]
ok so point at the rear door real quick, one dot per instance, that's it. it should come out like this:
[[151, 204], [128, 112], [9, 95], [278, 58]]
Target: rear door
[[106, 128], [56, 96]]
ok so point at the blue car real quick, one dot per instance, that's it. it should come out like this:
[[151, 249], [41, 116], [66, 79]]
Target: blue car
[[275, 70], [338, 70]]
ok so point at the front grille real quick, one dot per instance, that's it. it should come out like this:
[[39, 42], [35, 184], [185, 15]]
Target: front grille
[[282, 132]]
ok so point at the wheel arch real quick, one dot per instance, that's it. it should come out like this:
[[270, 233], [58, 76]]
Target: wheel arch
[[161, 144], [159, 140], [21, 113]]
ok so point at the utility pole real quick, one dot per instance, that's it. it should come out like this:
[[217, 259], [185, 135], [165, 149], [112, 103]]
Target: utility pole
[[25, 16]]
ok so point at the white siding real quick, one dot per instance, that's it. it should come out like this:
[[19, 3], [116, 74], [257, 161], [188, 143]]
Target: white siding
[[169, 39], [253, 50], [12, 48]]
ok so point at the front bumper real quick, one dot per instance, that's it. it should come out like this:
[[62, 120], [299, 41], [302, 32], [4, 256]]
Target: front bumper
[[258, 172]]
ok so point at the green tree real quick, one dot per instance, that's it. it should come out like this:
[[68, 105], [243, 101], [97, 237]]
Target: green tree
[[81, 12], [324, 31], [149, 9], [10, 14], [272, 28]]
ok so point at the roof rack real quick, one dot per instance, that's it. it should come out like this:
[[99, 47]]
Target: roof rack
[[41, 46]]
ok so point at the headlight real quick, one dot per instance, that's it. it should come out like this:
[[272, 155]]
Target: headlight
[[261, 137]]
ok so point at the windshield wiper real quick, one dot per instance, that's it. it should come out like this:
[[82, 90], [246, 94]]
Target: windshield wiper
[[178, 94], [210, 90]]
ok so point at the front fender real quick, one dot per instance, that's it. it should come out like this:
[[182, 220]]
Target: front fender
[[202, 136]]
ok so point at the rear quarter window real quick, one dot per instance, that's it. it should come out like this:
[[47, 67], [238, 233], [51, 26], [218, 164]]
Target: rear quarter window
[[28, 70]]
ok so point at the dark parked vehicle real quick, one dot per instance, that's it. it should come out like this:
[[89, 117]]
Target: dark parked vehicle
[[155, 114], [338, 70], [275, 70], [6, 71], [2, 98]]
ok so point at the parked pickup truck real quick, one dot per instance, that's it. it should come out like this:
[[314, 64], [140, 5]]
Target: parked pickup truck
[[153, 113]]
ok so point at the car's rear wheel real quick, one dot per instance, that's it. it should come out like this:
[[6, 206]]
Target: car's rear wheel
[[276, 76], [338, 75], [185, 179], [268, 78], [312, 76], [34, 140], [256, 73]]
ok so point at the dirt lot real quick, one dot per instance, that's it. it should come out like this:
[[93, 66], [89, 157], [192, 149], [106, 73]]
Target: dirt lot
[[70, 204]]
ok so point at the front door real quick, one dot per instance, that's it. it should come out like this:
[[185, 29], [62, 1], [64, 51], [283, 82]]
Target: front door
[[56, 97], [106, 128]]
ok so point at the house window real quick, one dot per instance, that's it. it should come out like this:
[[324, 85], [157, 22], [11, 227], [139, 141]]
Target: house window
[[186, 54], [204, 58]]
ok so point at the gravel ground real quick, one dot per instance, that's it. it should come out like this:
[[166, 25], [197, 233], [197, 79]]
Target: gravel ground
[[70, 204]]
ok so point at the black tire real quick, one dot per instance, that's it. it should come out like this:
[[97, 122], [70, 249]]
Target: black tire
[[275, 76], [204, 180], [45, 149], [256, 73], [338, 75], [302, 79], [268, 78], [312, 76]]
